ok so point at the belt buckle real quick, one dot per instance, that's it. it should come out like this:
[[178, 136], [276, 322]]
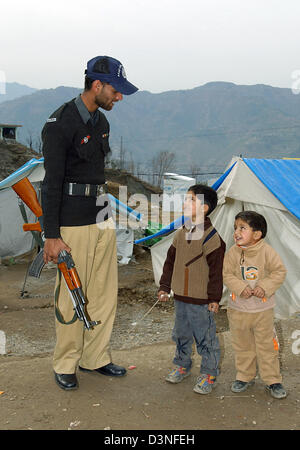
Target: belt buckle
[[87, 190], [70, 188]]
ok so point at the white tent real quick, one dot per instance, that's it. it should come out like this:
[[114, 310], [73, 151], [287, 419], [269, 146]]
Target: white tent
[[272, 188], [13, 240]]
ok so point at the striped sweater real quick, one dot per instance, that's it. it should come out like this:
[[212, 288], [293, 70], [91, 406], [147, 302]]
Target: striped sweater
[[194, 264]]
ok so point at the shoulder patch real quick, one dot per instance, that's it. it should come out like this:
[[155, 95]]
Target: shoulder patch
[[57, 114]]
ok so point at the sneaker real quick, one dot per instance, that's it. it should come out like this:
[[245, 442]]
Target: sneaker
[[276, 390], [204, 384], [178, 374], [240, 386]]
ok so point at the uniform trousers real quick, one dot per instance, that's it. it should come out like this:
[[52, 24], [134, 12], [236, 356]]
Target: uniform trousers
[[93, 248]]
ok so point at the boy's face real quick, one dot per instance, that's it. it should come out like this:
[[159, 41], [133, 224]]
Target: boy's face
[[244, 235], [194, 208]]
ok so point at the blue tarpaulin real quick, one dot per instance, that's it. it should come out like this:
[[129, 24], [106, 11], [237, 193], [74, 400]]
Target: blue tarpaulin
[[21, 172], [281, 177]]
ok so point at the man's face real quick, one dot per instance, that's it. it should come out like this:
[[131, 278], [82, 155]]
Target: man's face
[[107, 96]]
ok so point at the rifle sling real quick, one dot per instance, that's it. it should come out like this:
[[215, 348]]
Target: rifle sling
[[57, 312]]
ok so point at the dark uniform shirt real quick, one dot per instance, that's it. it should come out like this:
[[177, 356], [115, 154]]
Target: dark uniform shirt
[[75, 144]]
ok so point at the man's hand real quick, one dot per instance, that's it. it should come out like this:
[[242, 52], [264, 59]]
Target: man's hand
[[52, 249], [259, 292], [213, 307], [163, 296], [247, 292]]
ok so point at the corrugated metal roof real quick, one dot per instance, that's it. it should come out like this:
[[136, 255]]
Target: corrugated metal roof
[[7, 125]]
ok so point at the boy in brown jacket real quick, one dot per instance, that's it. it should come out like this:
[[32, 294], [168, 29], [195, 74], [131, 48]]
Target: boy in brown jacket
[[193, 270], [253, 271]]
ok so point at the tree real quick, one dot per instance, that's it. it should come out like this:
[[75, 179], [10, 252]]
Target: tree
[[195, 170], [122, 155], [29, 139], [39, 144], [161, 163]]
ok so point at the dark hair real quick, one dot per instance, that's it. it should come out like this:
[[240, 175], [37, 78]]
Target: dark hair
[[209, 194], [256, 221], [100, 66], [88, 83]]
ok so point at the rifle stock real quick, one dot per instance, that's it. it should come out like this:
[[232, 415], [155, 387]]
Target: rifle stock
[[26, 192]]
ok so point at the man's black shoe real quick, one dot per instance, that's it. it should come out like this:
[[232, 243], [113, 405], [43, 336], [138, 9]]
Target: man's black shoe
[[67, 381], [111, 370]]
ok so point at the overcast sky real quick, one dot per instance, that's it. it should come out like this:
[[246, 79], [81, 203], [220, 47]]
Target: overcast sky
[[163, 44]]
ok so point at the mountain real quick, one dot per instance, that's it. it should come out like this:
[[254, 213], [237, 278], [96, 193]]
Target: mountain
[[14, 90], [203, 126], [31, 111]]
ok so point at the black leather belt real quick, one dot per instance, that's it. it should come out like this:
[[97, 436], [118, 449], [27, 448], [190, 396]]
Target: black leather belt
[[85, 190]]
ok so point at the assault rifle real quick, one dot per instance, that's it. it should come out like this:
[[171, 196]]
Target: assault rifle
[[66, 265]]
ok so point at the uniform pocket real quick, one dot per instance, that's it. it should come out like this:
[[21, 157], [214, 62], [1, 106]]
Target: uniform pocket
[[86, 146], [92, 144]]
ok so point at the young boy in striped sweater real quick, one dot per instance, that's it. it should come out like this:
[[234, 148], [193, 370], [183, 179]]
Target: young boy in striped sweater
[[193, 271]]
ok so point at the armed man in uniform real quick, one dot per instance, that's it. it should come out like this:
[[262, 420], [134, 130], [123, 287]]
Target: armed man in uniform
[[75, 144]]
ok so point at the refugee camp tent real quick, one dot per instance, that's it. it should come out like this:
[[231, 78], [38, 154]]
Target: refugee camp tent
[[272, 188], [14, 241]]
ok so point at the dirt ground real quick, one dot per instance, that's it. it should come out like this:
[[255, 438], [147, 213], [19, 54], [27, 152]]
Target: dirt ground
[[142, 400]]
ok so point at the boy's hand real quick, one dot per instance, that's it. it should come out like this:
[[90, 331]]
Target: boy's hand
[[163, 296], [247, 292], [213, 307], [259, 292]]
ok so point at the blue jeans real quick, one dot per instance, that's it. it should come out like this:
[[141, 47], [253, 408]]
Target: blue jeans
[[196, 322]]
